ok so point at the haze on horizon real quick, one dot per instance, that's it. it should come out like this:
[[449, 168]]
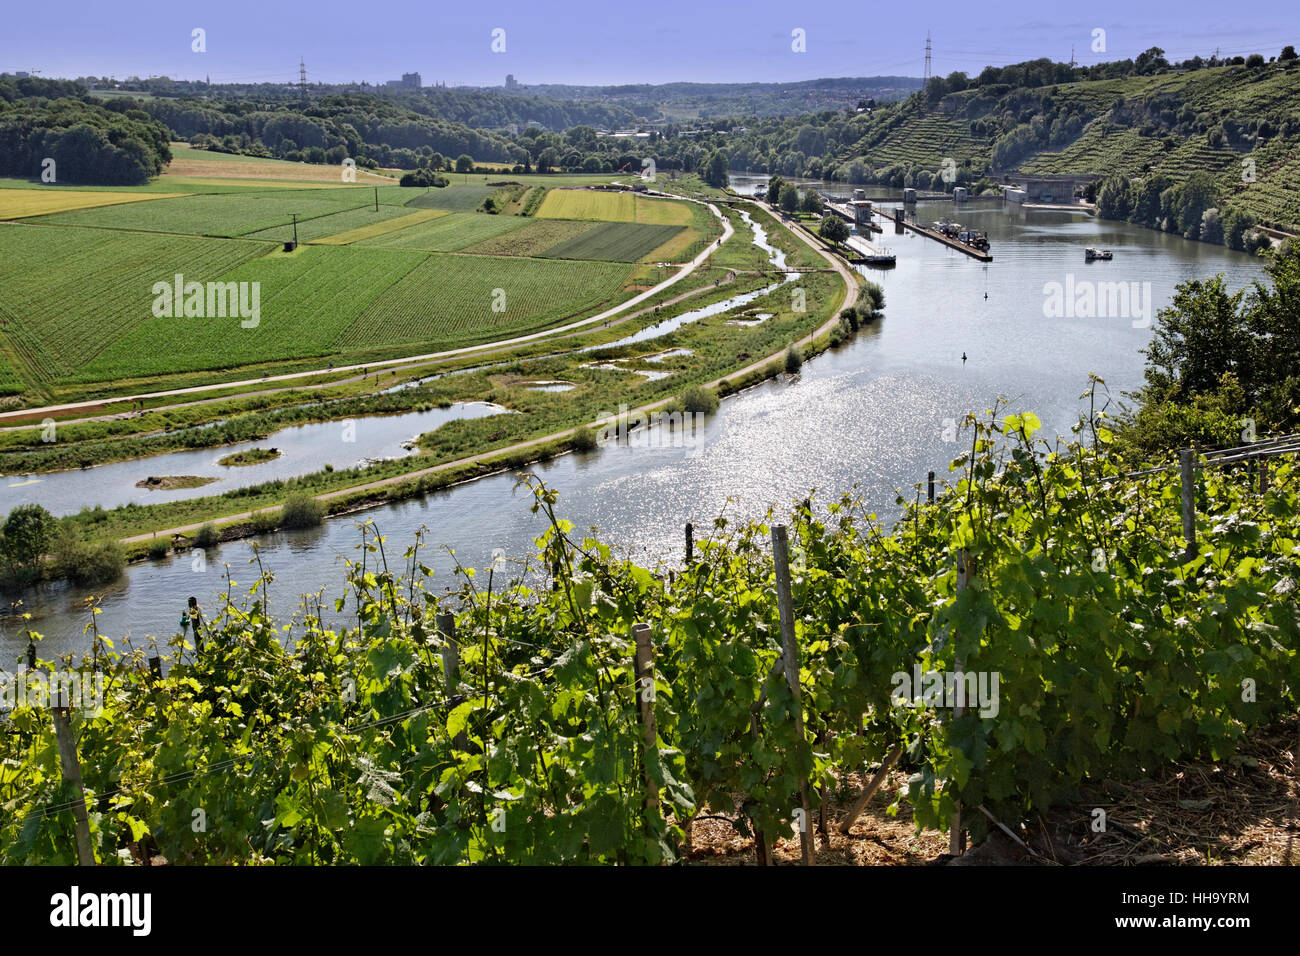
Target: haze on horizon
[[584, 42]]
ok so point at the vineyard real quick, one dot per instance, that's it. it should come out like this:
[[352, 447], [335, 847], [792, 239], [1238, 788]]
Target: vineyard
[[529, 716]]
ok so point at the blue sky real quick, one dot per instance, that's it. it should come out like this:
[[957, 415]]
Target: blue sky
[[605, 42]]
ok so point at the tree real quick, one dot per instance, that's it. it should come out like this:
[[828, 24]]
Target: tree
[[774, 189], [1255, 62], [1114, 198], [1211, 226], [25, 539], [833, 229], [464, 163], [715, 170], [789, 198], [1288, 53], [811, 202]]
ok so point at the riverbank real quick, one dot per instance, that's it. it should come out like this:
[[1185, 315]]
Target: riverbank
[[344, 491]]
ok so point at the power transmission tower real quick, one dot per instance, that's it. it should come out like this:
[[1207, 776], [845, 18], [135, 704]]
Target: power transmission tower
[[927, 56], [302, 80], [1072, 56]]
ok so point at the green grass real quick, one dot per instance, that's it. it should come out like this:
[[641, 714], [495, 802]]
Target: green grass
[[447, 300], [448, 233], [72, 293], [614, 242], [533, 239], [239, 214], [308, 300], [333, 224], [458, 197]]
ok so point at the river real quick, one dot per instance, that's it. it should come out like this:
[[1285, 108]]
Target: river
[[878, 412]]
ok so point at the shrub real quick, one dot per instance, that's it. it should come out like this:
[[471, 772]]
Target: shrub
[[699, 400], [793, 359], [158, 549], [850, 315], [24, 540], [265, 521], [871, 298], [207, 536], [301, 511], [584, 439], [89, 565]]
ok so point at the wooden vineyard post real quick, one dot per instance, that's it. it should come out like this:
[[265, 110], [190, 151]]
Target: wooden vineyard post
[[72, 774], [930, 483], [785, 604], [1189, 501], [690, 542], [956, 835], [446, 624], [870, 790], [644, 687], [1263, 476]]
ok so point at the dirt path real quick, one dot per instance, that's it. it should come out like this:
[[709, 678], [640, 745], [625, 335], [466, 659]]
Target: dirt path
[[851, 294]]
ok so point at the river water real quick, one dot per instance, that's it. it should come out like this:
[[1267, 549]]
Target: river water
[[879, 413]]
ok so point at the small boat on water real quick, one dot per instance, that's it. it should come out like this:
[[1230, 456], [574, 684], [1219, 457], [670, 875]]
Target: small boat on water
[[1090, 254]]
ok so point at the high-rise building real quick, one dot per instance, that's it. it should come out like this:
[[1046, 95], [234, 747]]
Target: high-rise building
[[511, 82]]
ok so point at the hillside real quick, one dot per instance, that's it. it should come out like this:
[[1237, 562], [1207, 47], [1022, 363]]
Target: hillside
[[1173, 123]]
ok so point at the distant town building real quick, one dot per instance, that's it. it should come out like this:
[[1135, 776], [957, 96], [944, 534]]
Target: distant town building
[[511, 82], [409, 81], [21, 74]]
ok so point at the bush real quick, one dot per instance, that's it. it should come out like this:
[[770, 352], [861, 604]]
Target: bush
[[24, 540], [871, 298], [265, 521], [793, 359], [850, 315], [699, 400], [89, 565], [208, 536], [158, 549], [584, 439], [301, 511]]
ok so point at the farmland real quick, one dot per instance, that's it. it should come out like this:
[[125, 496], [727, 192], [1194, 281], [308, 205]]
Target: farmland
[[449, 233], [588, 204], [537, 293], [380, 269], [614, 242], [22, 203]]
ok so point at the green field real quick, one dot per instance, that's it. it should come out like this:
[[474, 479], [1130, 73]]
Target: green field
[[308, 300], [614, 242], [533, 239], [457, 197], [58, 318], [538, 293], [588, 204], [418, 273], [448, 233], [212, 215]]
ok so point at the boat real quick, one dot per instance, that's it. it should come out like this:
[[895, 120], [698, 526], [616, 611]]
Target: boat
[[1090, 254]]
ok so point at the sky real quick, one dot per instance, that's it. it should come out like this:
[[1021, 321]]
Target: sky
[[598, 43]]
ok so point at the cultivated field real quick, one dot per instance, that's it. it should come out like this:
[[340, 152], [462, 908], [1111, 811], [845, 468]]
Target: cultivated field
[[24, 203], [614, 242], [381, 271]]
